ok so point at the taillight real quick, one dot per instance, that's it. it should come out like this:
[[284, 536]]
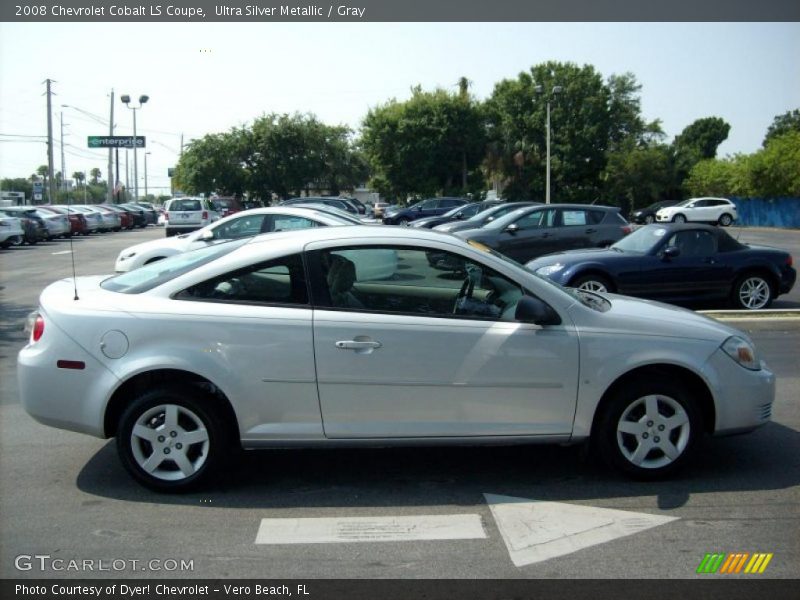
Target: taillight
[[166, 216], [38, 329], [789, 261], [205, 215], [626, 229]]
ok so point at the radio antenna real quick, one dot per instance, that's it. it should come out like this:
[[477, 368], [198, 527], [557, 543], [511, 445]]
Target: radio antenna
[[71, 247]]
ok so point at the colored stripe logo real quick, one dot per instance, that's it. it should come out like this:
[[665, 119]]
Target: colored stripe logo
[[734, 563]]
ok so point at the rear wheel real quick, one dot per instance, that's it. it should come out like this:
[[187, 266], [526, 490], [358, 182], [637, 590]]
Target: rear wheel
[[752, 292], [725, 220], [172, 439], [679, 219], [649, 429]]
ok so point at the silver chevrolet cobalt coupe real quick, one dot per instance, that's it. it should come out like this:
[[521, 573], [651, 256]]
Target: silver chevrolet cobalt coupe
[[294, 340]]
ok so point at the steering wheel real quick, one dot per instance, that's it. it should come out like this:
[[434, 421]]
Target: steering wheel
[[465, 292]]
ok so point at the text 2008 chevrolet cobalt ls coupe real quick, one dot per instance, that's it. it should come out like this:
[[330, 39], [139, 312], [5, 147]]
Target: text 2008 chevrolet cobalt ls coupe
[[291, 339]]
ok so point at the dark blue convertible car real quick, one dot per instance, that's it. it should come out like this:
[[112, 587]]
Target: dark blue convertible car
[[676, 263]]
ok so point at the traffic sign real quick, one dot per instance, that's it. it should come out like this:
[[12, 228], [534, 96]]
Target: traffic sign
[[115, 141]]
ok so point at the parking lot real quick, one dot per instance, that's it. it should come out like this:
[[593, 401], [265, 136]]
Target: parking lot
[[66, 495]]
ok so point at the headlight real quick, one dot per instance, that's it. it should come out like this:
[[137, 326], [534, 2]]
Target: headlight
[[549, 270], [742, 352]]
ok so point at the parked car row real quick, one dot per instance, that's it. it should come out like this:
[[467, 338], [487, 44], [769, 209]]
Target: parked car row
[[45, 222]]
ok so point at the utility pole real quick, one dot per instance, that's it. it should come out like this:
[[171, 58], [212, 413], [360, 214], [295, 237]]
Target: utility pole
[[145, 175], [111, 182], [127, 176], [51, 192]]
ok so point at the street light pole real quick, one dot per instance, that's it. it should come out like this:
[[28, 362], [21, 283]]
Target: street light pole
[[556, 89], [126, 100]]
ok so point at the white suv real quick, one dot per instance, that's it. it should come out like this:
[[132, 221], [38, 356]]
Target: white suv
[[705, 210], [188, 214]]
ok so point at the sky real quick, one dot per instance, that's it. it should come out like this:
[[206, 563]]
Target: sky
[[208, 77]]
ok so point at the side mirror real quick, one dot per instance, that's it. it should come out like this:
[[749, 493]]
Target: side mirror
[[533, 310], [417, 208], [459, 215], [207, 236], [671, 252], [512, 228]]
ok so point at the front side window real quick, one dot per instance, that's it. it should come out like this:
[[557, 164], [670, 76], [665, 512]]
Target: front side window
[[694, 243], [279, 281], [426, 282]]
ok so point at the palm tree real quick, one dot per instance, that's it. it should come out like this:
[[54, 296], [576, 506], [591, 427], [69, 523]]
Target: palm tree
[[95, 173]]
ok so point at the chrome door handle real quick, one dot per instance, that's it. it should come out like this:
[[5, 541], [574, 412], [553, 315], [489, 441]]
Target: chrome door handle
[[358, 345]]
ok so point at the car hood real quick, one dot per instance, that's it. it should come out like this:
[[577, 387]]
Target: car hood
[[454, 226], [635, 316], [426, 221], [574, 256], [179, 242]]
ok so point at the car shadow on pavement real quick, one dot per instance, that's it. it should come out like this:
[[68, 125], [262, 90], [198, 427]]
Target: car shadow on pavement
[[767, 459]]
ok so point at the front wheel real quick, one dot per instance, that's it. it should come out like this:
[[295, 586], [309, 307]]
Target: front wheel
[[171, 440], [649, 429], [592, 283], [752, 292], [679, 219], [649, 220], [403, 222]]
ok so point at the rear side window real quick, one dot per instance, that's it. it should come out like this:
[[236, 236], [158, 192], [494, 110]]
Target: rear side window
[[154, 274]]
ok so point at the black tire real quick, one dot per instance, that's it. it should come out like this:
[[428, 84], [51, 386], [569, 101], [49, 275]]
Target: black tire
[[649, 219], [403, 221], [725, 220], [170, 232], [619, 449], [592, 282], [752, 291], [679, 219], [192, 411]]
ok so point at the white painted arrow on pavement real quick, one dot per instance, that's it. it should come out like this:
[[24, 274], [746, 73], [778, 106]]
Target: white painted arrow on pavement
[[535, 531]]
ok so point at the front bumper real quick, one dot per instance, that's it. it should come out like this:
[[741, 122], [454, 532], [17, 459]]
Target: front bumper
[[742, 398]]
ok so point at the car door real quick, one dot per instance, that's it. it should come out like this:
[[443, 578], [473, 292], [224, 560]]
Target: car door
[[696, 272], [533, 234], [577, 229], [403, 357]]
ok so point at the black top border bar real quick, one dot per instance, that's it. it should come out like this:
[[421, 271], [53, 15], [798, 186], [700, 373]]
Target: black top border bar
[[249, 11]]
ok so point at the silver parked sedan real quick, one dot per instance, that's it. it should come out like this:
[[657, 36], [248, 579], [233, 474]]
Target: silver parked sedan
[[289, 339]]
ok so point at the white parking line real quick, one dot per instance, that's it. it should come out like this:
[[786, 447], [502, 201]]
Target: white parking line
[[62, 252], [370, 529], [535, 531]]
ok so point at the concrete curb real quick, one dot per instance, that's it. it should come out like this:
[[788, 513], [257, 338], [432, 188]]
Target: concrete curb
[[770, 314]]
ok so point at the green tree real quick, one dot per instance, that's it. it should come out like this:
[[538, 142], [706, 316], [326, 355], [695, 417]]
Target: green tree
[[96, 174], [637, 176], [79, 177], [433, 143], [698, 141], [781, 124], [214, 163], [589, 119], [775, 170]]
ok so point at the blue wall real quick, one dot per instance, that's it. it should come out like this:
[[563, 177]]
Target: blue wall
[[768, 212]]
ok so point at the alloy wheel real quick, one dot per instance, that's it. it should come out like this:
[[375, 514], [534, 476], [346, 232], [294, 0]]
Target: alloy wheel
[[653, 432], [754, 293]]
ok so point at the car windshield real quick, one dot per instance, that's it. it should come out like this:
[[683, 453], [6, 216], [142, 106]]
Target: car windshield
[[154, 274], [642, 240], [685, 202]]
